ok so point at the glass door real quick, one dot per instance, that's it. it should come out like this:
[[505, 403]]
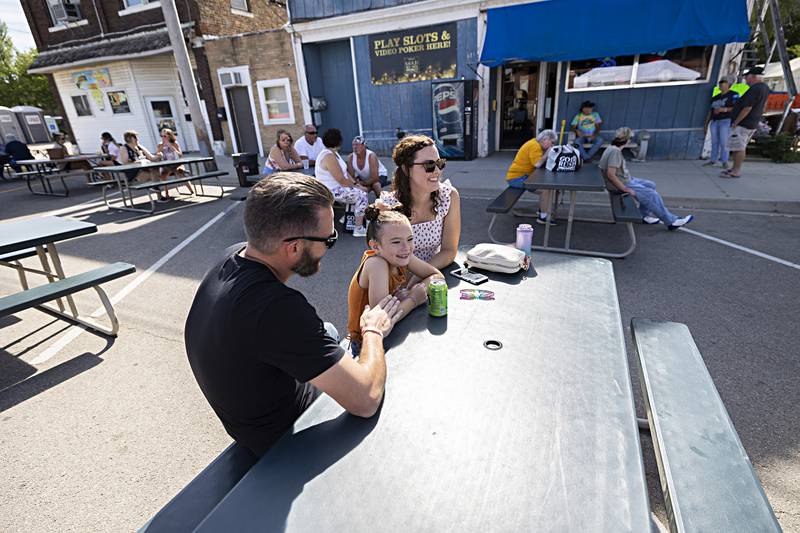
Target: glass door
[[162, 112], [519, 104]]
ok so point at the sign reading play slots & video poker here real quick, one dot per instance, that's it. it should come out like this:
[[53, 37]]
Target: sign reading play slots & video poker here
[[416, 54]]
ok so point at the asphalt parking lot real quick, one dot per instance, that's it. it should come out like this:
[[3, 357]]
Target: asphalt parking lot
[[98, 434]]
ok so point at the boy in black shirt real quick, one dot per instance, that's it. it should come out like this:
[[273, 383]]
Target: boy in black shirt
[[746, 114], [257, 347]]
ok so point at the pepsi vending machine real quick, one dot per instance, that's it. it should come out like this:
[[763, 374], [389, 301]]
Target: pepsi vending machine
[[455, 118]]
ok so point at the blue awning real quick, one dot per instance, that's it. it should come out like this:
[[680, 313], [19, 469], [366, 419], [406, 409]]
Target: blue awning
[[563, 30]]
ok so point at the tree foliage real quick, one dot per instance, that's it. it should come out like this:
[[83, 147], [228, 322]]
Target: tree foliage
[[790, 20], [17, 87]]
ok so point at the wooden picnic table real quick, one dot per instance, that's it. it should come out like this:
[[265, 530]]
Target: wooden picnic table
[[120, 177], [539, 435], [38, 237]]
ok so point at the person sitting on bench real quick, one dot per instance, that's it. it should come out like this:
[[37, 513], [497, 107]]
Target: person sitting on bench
[[257, 347], [618, 179], [16, 150], [586, 125], [530, 156]]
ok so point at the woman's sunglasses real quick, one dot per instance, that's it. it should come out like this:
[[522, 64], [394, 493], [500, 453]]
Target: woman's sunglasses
[[430, 166], [329, 241]]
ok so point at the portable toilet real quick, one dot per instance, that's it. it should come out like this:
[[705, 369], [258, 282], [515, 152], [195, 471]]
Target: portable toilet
[[10, 125], [32, 121]]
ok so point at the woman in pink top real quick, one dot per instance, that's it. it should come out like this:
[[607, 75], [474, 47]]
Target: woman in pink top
[[432, 206]]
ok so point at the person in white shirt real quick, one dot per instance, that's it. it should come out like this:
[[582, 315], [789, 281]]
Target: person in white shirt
[[365, 166], [309, 145], [110, 148], [332, 171]]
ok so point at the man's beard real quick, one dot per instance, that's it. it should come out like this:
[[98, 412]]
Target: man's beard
[[306, 265]]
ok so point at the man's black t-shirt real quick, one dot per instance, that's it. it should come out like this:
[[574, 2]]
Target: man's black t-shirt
[[755, 97], [253, 344]]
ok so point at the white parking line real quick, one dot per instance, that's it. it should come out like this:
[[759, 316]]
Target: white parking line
[[743, 248], [75, 331]]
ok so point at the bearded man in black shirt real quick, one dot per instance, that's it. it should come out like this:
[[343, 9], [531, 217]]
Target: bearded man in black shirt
[[257, 348]]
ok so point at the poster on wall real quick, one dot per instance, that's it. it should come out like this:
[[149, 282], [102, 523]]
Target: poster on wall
[[417, 54], [118, 101], [93, 81]]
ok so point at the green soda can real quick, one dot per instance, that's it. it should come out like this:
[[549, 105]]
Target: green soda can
[[437, 298]]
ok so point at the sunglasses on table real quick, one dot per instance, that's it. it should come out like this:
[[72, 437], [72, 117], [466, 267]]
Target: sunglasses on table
[[431, 165], [329, 241]]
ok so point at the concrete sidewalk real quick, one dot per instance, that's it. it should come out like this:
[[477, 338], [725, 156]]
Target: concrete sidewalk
[[764, 186]]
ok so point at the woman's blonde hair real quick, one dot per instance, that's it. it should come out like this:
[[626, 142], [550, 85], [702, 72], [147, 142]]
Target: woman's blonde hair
[[170, 134]]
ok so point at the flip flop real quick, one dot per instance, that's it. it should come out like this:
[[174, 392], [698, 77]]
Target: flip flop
[[728, 174]]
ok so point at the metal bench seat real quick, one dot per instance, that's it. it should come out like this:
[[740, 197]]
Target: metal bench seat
[[196, 500], [624, 208], [37, 296], [151, 186], [706, 475]]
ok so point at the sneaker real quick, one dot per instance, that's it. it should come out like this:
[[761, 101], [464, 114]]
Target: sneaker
[[163, 199], [651, 220], [709, 163], [680, 222], [726, 165], [359, 231], [543, 221]]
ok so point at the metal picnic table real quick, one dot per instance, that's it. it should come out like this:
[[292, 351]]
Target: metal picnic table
[[539, 435], [118, 176], [38, 237]]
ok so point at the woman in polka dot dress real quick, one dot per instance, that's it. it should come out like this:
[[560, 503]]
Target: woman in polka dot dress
[[433, 207]]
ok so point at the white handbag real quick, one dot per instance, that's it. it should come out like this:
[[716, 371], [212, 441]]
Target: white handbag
[[563, 158], [496, 258]]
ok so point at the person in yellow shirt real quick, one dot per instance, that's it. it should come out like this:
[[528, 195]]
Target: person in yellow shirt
[[530, 156]]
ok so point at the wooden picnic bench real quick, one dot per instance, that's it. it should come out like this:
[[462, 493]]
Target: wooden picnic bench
[[706, 476], [638, 149], [587, 179]]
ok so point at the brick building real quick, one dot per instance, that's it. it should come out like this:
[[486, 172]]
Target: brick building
[[113, 70]]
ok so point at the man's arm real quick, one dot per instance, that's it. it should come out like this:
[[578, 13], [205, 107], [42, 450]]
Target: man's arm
[[740, 117], [358, 385], [611, 173]]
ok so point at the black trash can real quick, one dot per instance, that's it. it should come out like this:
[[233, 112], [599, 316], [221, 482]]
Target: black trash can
[[246, 164]]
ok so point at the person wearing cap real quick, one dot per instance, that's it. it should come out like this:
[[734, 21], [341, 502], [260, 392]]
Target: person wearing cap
[[586, 125], [365, 167], [746, 115], [309, 145], [619, 180], [719, 121]]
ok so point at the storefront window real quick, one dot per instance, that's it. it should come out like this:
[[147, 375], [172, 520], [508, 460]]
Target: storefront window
[[602, 72], [689, 63], [681, 65]]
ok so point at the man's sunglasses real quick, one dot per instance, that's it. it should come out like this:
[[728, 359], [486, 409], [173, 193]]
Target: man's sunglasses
[[429, 166], [329, 241], [311, 133]]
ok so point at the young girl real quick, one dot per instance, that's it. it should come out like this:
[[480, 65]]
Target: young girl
[[170, 150], [386, 268]]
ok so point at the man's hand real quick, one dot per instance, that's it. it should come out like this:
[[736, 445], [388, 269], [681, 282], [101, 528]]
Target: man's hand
[[630, 191], [383, 316]]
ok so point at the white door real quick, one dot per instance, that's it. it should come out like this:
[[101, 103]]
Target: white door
[[162, 113]]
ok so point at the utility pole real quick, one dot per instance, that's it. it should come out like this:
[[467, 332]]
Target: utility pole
[[186, 74]]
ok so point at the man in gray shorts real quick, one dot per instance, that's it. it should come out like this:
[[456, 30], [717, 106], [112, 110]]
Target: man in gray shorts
[[747, 112]]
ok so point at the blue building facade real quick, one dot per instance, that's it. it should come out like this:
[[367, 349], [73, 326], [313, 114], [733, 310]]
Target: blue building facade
[[665, 93]]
